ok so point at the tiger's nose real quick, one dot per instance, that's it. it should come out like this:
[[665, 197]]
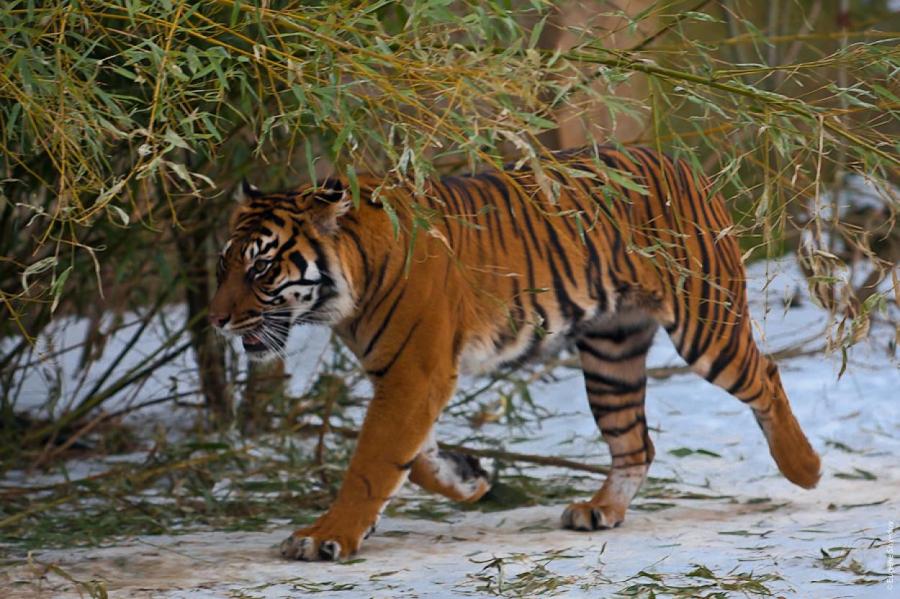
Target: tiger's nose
[[218, 320]]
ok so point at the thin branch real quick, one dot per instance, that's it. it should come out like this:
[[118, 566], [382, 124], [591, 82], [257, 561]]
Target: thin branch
[[663, 30], [499, 454]]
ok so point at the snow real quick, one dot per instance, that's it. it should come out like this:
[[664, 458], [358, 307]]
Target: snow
[[718, 516]]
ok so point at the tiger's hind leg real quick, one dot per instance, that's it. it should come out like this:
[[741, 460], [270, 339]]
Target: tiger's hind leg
[[731, 360], [614, 363], [454, 475]]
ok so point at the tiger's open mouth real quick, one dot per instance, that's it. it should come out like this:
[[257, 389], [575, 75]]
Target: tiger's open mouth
[[265, 342], [252, 343]]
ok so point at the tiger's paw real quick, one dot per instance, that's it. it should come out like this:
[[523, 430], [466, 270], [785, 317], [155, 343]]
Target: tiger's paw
[[482, 487], [320, 543], [583, 515]]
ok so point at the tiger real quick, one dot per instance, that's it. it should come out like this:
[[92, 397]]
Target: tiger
[[591, 249]]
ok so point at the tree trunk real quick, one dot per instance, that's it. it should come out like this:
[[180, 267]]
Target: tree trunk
[[266, 383], [191, 243], [580, 125]]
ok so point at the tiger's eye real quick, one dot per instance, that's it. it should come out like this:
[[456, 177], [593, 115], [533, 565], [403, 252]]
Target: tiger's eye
[[261, 266]]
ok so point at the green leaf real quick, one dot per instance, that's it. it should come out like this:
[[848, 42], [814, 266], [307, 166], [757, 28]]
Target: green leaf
[[857, 474], [57, 287], [175, 140], [536, 31], [354, 185], [682, 452], [700, 16], [342, 136], [235, 12], [392, 216], [625, 181], [310, 161]]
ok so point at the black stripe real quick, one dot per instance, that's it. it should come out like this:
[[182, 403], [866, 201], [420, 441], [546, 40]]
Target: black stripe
[[299, 261], [741, 381], [384, 324], [627, 454], [493, 216], [754, 397], [725, 355], [441, 210], [367, 296], [503, 189], [571, 311], [613, 385], [391, 287], [707, 270], [362, 254], [321, 259], [526, 217], [629, 354], [594, 265], [382, 371], [599, 410], [289, 243], [450, 198], [618, 431], [618, 334], [560, 252]]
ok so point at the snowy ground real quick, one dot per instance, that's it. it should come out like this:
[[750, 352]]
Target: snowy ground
[[716, 517]]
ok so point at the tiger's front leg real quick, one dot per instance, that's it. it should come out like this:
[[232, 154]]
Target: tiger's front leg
[[400, 417]]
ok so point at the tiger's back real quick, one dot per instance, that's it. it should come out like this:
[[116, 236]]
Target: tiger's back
[[593, 254], [598, 248]]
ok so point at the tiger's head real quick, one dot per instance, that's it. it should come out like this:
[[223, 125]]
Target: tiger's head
[[280, 267]]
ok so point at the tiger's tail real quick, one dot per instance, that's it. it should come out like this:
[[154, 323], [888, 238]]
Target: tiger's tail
[[732, 361], [790, 448]]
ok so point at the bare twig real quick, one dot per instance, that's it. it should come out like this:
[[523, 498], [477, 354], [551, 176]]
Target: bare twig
[[498, 454], [51, 452]]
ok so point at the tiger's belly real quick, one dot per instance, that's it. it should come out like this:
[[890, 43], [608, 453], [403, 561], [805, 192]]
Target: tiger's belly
[[539, 340], [532, 342]]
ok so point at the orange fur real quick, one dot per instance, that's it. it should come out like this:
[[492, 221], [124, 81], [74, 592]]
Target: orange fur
[[505, 274]]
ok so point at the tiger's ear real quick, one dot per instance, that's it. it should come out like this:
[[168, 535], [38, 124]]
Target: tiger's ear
[[332, 201], [249, 191]]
